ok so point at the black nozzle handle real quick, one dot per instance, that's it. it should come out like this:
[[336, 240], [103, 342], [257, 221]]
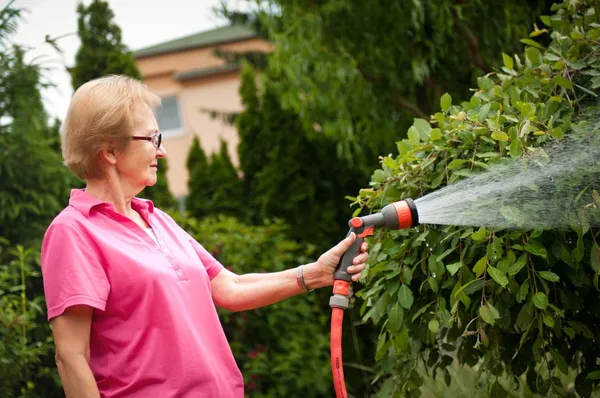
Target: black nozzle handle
[[341, 272]]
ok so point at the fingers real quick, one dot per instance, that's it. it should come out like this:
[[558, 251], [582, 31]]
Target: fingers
[[356, 271], [361, 258]]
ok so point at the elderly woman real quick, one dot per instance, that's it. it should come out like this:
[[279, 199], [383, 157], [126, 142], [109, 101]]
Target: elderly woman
[[131, 296]]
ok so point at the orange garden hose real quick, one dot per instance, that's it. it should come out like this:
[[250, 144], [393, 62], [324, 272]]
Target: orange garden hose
[[397, 215], [337, 319]]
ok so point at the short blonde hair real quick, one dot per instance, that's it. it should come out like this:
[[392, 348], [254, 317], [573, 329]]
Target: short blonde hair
[[101, 111]]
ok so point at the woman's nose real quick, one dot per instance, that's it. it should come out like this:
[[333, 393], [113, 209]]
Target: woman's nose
[[161, 152]]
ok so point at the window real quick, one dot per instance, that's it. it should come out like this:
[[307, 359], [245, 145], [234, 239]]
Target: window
[[169, 117]]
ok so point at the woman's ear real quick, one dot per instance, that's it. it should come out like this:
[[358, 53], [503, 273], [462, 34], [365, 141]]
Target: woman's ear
[[108, 153]]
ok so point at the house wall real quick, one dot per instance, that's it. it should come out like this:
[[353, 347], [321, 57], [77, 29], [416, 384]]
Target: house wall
[[217, 92]]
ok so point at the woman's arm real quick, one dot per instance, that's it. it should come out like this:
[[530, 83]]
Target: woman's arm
[[250, 291], [71, 332]]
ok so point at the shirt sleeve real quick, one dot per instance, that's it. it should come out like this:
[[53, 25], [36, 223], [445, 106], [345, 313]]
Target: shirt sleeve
[[72, 272], [211, 264]]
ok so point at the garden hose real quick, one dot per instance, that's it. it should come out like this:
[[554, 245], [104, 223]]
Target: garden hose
[[397, 215]]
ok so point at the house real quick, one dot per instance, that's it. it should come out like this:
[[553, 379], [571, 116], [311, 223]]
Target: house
[[193, 81]]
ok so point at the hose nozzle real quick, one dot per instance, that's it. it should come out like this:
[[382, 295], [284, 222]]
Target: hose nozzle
[[398, 215]]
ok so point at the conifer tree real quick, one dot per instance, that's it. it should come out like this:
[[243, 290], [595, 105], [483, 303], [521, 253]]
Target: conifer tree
[[227, 198], [102, 51], [199, 198]]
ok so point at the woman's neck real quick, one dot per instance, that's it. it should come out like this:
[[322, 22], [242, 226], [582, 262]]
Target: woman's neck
[[113, 192]]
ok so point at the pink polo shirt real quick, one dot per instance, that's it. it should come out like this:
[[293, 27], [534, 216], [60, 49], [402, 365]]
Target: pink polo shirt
[[155, 330]]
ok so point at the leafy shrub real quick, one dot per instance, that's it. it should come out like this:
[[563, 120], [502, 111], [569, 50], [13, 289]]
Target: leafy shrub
[[519, 301], [24, 333], [283, 349]]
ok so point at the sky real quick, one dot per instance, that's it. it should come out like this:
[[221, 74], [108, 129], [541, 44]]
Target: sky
[[143, 23]]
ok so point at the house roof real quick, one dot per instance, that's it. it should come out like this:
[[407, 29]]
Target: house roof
[[204, 72], [221, 35]]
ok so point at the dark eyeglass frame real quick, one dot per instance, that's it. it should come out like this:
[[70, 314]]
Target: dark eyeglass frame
[[156, 139]]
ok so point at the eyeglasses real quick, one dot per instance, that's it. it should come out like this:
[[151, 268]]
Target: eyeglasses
[[156, 139]]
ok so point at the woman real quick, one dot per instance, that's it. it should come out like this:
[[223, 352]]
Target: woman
[[131, 296]]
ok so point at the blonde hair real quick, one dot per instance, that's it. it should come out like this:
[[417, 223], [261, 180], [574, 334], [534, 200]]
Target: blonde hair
[[101, 111]]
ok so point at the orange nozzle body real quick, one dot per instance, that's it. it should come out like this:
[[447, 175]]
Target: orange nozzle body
[[404, 212]]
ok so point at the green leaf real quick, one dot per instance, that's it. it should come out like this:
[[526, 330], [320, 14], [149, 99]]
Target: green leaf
[[508, 61], [483, 112], [515, 148], [453, 268], [532, 43], [518, 265], [595, 258], [480, 235], [523, 291], [500, 136], [423, 127], [536, 249], [549, 276], [560, 362], [534, 56], [479, 267], [486, 314], [396, 317], [498, 276], [421, 311], [563, 82], [434, 325], [511, 213], [406, 297], [540, 300], [485, 83], [413, 135], [595, 375], [446, 102]]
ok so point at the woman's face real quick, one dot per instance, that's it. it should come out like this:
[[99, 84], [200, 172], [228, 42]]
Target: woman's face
[[138, 163]]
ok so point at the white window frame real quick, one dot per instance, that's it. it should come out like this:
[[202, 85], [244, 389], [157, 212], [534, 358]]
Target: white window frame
[[176, 132]]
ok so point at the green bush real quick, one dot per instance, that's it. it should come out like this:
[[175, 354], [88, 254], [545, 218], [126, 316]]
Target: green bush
[[520, 301], [24, 333], [283, 349]]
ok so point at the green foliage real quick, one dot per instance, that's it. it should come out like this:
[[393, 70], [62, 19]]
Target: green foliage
[[519, 301], [200, 182], [159, 193], [101, 52], [214, 185], [283, 349], [287, 172], [35, 185], [26, 337], [227, 197], [362, 70]]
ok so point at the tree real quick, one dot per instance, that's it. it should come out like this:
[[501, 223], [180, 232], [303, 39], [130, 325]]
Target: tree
[[198, 202], [362, 71], [228, 196], [505, 291], [102, 51], [287, 171], [34, 189]]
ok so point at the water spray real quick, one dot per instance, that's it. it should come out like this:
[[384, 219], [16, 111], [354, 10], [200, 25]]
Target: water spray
[[397, 215]]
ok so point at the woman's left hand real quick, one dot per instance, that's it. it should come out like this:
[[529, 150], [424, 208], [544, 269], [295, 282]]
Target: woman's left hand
[[327, 263]]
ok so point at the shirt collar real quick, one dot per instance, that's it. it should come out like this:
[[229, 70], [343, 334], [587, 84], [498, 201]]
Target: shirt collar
[[84, 203]]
